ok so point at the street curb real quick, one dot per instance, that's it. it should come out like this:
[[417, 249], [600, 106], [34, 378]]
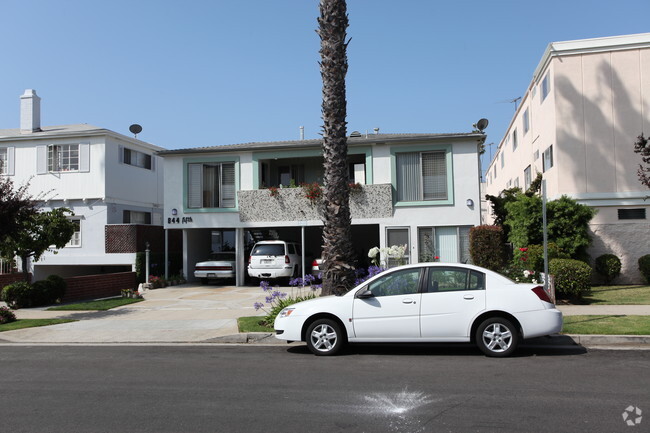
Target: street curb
[[589, 340]]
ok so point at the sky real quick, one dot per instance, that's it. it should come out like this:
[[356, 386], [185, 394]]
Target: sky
[[199, 73]]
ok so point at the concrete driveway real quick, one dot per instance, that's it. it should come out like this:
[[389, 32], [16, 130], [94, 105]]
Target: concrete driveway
[[174, 314]]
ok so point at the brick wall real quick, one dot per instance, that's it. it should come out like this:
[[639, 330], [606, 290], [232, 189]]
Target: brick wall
[[132, 238], [98, 286], [6, 279]]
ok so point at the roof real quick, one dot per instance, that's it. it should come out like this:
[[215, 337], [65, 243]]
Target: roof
[[63, 131], [360, 140]]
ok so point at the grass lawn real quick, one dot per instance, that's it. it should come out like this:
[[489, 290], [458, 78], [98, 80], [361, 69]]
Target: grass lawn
[[607, 325], [619, 295], [252, 324], [30, 323], [100, 305]]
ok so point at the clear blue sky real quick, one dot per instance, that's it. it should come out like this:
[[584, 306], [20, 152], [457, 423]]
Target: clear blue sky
[[205, 73]]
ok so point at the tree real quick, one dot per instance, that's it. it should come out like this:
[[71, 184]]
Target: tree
[[15, 205], [338, 254], [38, 233], [641, 147]]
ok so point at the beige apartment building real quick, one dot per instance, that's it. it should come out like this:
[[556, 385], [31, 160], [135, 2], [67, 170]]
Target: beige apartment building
[[576, 124]]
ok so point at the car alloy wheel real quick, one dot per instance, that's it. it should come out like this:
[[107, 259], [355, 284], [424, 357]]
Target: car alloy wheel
[[497, 337], [324, 337]]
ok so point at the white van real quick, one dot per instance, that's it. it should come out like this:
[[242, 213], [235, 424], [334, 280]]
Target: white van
[[274, 259]]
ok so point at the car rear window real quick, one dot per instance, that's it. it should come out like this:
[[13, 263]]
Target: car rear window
[[268, 250], [222, 256]]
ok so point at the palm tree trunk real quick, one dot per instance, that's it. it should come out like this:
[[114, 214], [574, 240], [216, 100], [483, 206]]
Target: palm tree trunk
[[338, 275]]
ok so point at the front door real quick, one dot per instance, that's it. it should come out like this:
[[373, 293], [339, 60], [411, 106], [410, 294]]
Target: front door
[[393, 312]]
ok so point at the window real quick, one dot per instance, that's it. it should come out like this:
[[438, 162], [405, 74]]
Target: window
[[516, 185], [421, 176], [502, 158], [291, 175], [75, 240], [136, 159], [404, 282], [454, 280], [448, 244], [63, 157], [547, 160], [399, 237], [211, 185], [536, 155], [631, 214], [546, 86], [136, 217], [4, 160], [527, 178], [526, 121], [514, 140]]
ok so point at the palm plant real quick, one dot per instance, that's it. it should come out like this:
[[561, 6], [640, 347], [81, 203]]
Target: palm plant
[[338, 273]]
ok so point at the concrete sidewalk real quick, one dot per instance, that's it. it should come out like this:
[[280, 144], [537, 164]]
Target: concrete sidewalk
[[178, 314], [208, 314]]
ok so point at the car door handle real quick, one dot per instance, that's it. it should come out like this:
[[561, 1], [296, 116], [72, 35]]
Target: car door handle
[[408, 301], [468, 297]]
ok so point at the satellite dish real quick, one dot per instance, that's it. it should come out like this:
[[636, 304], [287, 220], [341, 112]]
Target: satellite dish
[[136, 129], [482, 124]]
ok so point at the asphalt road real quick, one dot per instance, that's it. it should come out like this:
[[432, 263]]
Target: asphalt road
[[286, 389]]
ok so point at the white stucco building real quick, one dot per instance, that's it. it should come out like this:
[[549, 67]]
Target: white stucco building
[[421, 190], [577, 123], [112, 182]]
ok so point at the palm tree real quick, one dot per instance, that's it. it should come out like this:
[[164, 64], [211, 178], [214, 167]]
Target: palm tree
[[338, 275]]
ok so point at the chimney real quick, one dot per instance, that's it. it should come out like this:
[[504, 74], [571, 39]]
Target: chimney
[[30, 112]]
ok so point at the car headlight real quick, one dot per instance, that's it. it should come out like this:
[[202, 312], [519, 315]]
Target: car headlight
[[286, 312]]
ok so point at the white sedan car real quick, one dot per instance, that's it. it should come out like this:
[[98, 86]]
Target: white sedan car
[[220, 266], [427, 302]]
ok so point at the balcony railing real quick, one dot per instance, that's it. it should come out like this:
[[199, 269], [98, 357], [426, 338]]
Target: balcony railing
[[290, 204]]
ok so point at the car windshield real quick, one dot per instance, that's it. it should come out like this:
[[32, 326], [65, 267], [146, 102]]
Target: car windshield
[[268, 250], [227, 256]]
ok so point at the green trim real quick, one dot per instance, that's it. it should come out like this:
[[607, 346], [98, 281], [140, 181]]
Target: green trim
[[307, 153], [196, 160], [448, 148]]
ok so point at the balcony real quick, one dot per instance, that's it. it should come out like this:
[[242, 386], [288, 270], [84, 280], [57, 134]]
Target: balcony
[[290, 204]]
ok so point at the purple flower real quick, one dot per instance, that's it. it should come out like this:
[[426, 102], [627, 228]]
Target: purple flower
[[269, 299], [264, 285], [258, 305]]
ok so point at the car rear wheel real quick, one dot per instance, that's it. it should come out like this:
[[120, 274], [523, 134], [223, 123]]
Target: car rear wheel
[[204, 281], [497, 337], [324, 337]]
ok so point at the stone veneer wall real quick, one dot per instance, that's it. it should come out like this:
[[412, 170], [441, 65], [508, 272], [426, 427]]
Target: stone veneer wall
[[374, 201], [627, 241]]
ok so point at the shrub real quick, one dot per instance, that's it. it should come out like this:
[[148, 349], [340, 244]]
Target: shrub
[[17, 295], [276, 300], [58, 287], [486, 247], [41, 293], [572, 277], [532, 257], [6, 315], [644, 267], [608, 266]]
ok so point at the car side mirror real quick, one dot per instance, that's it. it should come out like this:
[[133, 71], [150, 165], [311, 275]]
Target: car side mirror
[[365, 294]]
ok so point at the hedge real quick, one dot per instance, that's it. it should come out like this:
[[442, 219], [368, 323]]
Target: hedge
[[572, 277]]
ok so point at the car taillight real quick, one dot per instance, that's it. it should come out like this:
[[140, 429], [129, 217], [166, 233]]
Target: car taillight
[[286, 260], [249, 259], [314, 263], [541, 294]]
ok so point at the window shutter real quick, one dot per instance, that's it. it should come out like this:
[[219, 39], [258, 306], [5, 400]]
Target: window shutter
[[41, 160], [228, 189], [194, 196], [84, 158], [434, 176], [408, 176], [152, 162], [120, 154], [11, 154]]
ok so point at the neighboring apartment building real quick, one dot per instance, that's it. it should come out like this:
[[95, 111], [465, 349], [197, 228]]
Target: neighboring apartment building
[[419, 190], [577, 124], [112, 182]]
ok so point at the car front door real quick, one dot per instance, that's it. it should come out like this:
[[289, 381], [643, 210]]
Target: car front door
[[453, 296], [392, 312]]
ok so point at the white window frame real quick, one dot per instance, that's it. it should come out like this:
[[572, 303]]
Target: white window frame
[[526, 120], [63, 158], [75, 240], [407, 251], [406, 192], [136, 158], [546, 86], [4, 160], [514, 140], [528, 180], [547, 159]]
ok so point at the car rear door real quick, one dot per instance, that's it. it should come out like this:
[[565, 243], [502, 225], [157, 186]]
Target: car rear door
[[393, 312], [452, 298]]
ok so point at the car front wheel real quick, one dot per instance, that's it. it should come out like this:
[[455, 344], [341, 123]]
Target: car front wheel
[[497, 337], [324, 337]]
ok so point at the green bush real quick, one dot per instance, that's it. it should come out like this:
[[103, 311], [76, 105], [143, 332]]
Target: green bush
[[644, 267], [572, 277], [58, 287], [6, 315], [17, 295], [487, 247], [532, 257], [608, 266]]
